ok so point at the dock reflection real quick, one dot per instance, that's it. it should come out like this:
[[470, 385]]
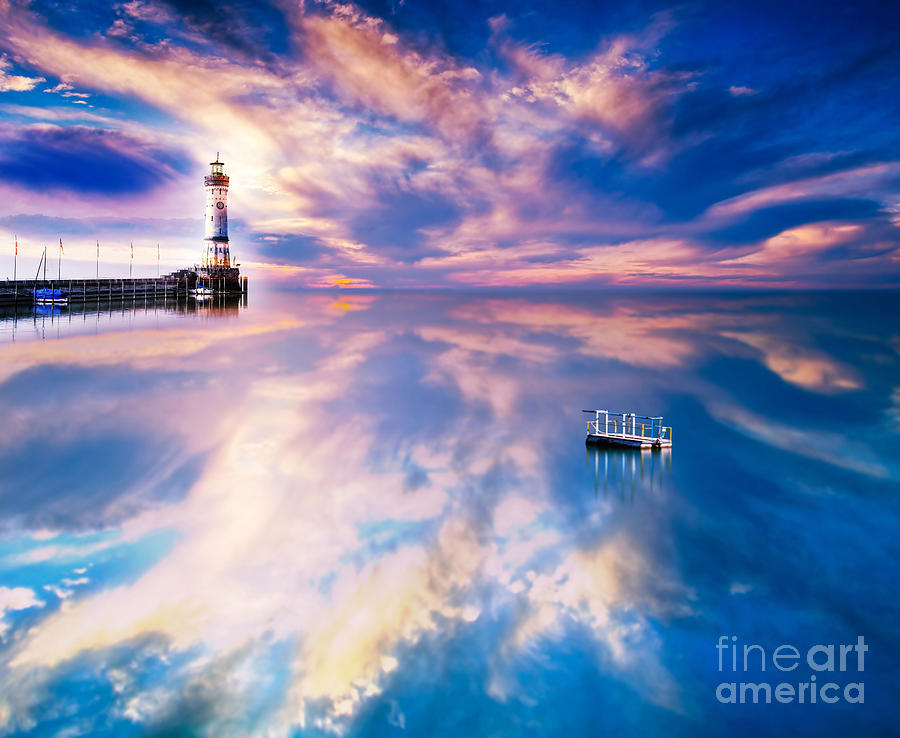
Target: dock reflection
[[622, 471], [48, 321]]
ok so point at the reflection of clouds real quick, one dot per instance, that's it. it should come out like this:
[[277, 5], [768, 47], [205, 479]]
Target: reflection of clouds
[[302, 549], [143, 350], [624, 334], [15, 598], [264, 535], [893, 412], [829, 446], [475, 378], [799, 364], [609, 589], [132, 445], [396, 599], [256, 537]]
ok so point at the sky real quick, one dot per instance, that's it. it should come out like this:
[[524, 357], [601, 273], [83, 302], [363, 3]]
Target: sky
[[456, 145]]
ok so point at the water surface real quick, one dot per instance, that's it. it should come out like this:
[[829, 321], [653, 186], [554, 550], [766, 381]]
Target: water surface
[[374, 514]]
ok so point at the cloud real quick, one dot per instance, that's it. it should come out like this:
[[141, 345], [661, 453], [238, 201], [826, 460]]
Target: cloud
[[64, 89], [800, 242], [346, 173], [363, 61], [528, 164], [837, 184], [15, 82], [43, 156], [615, 88]]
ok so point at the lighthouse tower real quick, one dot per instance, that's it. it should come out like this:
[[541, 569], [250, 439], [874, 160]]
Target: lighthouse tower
[[216, 255]]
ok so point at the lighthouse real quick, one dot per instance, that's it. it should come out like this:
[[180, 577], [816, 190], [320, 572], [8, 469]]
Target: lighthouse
[[216, 255], [217, 272]]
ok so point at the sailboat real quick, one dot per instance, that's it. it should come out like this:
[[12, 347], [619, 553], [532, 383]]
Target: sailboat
[[47, 295]]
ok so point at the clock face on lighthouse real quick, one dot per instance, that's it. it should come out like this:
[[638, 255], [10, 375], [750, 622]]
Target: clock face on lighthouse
[[220, 205]]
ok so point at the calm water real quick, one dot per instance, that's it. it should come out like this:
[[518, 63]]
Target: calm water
[[375, 515]]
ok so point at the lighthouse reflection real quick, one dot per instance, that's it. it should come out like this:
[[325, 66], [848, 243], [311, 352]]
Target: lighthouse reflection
[[627, 472]]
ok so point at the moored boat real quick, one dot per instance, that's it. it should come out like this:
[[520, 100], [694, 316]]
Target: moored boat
[[50, 296]]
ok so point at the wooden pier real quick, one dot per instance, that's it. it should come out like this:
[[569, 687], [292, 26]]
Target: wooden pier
[[628, 429], [93, 290]]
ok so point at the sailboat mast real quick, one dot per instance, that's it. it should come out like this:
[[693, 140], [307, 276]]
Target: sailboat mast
[[39, 268]]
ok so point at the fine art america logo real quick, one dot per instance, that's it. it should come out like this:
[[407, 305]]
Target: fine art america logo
[[830, 668]]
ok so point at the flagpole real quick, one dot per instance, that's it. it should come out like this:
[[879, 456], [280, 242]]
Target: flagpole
[[59, 262], [45, 263], [157, 261], [15, 266], [98, 260], [131, 263]]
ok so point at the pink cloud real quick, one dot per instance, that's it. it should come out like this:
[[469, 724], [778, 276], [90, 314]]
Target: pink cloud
[[366, 65], [800, 242], [848, 182]]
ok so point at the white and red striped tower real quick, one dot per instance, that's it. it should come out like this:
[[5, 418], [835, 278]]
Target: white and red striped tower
[[216, 255]]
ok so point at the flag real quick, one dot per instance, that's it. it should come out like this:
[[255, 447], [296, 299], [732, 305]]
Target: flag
[[60, 247], [98, 249], [17, 245], [132, 249]]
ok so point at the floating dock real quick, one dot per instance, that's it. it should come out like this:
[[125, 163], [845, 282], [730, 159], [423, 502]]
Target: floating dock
[[628, 429]]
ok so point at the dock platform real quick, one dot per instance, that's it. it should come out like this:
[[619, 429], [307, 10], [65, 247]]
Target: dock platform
[[628, 429]]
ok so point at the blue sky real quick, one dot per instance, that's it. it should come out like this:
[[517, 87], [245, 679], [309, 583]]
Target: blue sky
[[411, 144]]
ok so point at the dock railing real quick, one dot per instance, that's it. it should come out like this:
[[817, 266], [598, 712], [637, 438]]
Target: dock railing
[[628, 425]]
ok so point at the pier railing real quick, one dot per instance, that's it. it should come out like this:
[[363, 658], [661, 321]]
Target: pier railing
[[84, 290], [628, 426], [91, 290]]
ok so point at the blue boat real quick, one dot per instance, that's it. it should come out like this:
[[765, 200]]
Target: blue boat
[[49, 296]]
